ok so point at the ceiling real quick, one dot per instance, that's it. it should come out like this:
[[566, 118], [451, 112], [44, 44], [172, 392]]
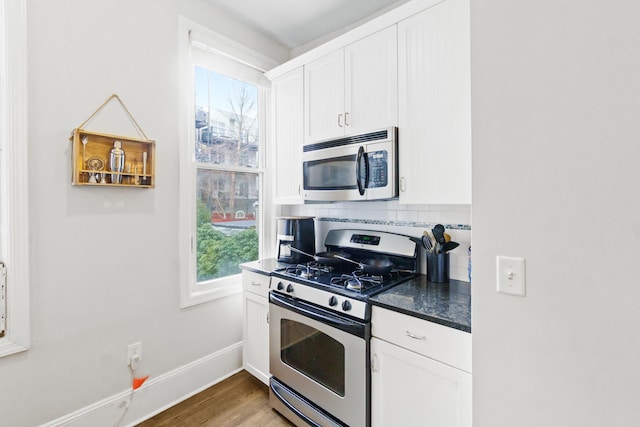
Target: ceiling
[[295, 23]]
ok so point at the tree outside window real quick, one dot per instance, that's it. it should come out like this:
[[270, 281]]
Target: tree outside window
[[226, 149]]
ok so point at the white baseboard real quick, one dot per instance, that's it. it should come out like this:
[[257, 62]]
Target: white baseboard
[[159, 393]]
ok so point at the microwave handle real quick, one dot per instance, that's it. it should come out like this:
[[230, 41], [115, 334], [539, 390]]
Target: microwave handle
[[359, 163]]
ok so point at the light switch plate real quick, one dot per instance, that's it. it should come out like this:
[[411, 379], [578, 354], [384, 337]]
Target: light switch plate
[[511, 275]]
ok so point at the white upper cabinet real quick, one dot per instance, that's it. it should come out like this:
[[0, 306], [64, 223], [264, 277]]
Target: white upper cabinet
[[371, 82], [434, 105], [324, 97], [288, 92], [354, 89]]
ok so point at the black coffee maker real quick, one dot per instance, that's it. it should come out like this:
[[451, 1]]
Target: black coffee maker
[[297, 232]]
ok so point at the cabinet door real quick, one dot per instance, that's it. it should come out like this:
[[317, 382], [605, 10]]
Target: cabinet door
[[434, 107], [408, 389], [255, 337], [288, 93], [371, 82], [324, 97]]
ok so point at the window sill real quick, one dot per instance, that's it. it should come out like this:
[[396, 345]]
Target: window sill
[[8, 348], [213, 293]]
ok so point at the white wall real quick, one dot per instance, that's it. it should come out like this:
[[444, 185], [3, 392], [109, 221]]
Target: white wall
[[104, 261], [556, 144]]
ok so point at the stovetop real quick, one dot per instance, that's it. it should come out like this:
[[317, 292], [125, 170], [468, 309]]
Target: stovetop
[[344, 281], [343, 287]]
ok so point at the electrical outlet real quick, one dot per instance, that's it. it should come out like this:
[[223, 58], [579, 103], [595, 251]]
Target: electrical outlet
[[134, 354]]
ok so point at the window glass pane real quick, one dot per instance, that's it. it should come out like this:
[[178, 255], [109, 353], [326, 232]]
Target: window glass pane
[[226, 220], [226, 120]]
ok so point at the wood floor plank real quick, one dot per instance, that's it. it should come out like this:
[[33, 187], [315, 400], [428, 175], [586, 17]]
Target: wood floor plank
[[240, 400]]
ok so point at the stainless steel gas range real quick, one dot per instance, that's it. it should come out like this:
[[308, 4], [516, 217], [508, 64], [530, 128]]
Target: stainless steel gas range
[[319, 327]]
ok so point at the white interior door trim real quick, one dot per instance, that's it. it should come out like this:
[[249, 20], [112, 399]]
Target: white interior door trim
[[14, 214]]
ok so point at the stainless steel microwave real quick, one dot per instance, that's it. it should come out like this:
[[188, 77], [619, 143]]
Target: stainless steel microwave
[[358, 167]]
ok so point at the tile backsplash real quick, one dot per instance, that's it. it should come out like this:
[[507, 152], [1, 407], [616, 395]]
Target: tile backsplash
[[393, 217]]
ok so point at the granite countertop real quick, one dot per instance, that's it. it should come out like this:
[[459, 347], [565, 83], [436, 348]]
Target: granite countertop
[[448, 304], [264, 266]]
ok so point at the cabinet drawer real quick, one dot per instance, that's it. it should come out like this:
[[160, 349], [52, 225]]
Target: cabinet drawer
[[438, 342], [256, 283]]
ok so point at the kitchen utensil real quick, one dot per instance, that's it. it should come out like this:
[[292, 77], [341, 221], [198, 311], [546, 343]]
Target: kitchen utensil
[[94, 164], [116, 162], [84, 140], [144, 177], [427, 243], [438, 234], [431, 240], [372, 266], [326, 258], [449, 246], [447, 237], [136, 178]]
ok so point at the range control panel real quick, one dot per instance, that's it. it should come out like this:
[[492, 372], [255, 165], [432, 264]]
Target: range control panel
[[319, 297], [365, 239]]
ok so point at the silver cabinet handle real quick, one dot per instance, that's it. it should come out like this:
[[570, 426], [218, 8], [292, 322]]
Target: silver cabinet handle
[[346, 116], [375, 365], [403, 184], [256, 283], [340, 120], [415, 337]]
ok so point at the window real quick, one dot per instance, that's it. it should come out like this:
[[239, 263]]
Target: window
[[221, 167]]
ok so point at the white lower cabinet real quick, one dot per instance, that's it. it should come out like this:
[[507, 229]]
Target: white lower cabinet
[[255, 335], [411, 389]]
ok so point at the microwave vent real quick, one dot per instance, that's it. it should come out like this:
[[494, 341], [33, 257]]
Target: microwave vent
[[356, 139]]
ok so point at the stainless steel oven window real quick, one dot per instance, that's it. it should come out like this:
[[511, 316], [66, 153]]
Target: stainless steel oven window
[[314, 354]]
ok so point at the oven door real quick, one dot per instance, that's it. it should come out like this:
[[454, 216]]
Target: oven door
[[322, 357]]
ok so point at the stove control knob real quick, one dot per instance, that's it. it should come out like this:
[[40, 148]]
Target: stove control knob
[[289, 288], [346, 306], [333, 301], [280, 286]]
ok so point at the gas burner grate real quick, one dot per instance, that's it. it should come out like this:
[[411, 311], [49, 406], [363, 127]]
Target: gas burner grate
[[308, 270], [357, 281]]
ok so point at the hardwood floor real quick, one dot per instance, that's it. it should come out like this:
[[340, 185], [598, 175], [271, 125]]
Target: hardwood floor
[[240, 400]]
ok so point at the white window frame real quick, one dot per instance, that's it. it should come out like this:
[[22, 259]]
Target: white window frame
[[14, 214], [192, 292]]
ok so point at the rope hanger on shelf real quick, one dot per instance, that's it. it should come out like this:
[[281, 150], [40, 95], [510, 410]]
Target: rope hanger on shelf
[[126, 110]]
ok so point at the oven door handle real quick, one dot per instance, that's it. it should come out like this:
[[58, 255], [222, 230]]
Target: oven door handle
[[318, 314]]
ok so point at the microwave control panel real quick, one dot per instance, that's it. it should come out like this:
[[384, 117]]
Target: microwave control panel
[[378, 169]]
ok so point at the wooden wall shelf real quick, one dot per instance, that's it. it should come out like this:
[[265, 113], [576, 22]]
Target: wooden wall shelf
[[91, 160]]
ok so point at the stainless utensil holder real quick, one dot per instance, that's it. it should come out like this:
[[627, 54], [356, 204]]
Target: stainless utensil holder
[[438, 267]]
